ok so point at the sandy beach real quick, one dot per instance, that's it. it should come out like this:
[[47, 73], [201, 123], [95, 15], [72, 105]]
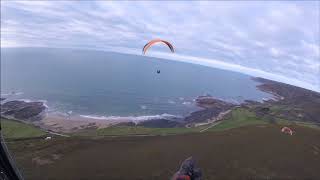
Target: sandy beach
[[60, 123]]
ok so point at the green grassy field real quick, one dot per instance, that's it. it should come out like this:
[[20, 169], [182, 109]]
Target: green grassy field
[[247, 152], [137, 130], [134, 130], [237, 118], [15, 129], [242, 146]]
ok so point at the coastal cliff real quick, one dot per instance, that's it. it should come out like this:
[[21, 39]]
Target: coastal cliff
[[21, 110]]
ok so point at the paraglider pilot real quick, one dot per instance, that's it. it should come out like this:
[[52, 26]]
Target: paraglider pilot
[[188, 171]]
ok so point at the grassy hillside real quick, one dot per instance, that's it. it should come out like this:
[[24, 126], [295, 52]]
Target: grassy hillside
[[134, 130], [15, 129], [237, 118], [249, 152], [298, 123], [242, 146]]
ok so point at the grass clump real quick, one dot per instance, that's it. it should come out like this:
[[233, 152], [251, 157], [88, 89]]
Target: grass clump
[[16, 129]]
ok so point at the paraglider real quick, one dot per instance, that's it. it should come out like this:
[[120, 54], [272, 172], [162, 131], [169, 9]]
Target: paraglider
[[156, 41], [287, 130]]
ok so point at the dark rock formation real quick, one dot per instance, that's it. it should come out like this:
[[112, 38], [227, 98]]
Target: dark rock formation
[[212, 108], [160, 123], [202, 115], [2, 99], [211, 102], [22, 110], [126, 124]]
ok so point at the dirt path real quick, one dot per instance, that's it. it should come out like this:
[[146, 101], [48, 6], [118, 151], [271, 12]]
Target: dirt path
[[216, 120], [213, 124], [58, 134]]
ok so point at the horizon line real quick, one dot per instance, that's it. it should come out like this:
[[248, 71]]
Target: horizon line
[[208, 62]]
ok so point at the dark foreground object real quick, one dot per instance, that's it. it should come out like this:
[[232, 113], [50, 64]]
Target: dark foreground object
[[8, 171], [188, 171], [253, 152]]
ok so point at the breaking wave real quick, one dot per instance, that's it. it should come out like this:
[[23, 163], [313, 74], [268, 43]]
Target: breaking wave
[[132, 118], [11, 94], [29, 100], [143, 107], [186, 103]]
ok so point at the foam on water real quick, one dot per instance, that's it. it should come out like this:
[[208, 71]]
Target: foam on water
[[132, 118], [11, 94], [186, 103], [143, 107]]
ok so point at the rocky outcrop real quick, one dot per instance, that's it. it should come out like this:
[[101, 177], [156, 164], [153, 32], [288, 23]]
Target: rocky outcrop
[[2, 99], [211, 102], [22, 110], [212, 108], [291, 102]]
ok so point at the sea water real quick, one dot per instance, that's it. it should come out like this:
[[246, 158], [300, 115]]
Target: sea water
[[109, 85]]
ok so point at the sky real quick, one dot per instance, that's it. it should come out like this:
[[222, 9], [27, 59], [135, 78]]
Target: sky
[[277, 40]]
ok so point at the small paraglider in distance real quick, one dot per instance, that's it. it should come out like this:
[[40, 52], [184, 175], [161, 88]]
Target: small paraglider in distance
[[287, 130], [156, 41]]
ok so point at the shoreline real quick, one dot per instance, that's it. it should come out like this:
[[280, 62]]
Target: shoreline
[[69, 123], [60, 123], [212, 110]]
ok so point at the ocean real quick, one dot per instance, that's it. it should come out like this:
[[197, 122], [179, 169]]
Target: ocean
[[106, 85]]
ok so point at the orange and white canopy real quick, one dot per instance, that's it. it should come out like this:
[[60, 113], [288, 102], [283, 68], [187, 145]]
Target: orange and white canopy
[[287, 130], [156, 41]]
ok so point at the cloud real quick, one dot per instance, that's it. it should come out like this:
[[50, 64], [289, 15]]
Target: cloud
[[275, 52], [278, 38]]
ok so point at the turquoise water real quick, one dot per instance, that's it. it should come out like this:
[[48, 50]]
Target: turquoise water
[[112, 84]]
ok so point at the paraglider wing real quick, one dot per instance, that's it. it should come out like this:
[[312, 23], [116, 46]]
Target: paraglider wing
[[287, 130], [156, 41]]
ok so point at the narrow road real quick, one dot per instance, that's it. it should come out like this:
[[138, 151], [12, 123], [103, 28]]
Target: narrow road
[[217, 121], [58, 134], [213, 124]]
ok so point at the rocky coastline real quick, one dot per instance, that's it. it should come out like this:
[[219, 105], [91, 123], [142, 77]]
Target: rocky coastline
[[293, 103], [23, 111]]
